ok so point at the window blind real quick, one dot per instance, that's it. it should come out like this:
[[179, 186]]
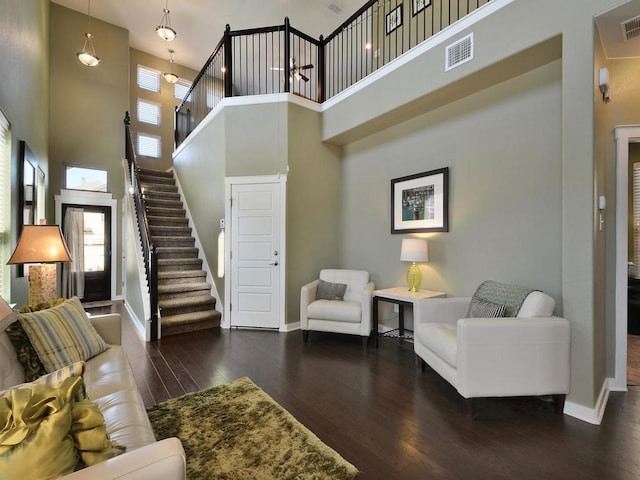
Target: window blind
[[149, 112], [5, 202], [149, 145], [180, 89], [148, 79]]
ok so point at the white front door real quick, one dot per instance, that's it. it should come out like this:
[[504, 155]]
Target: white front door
[[255, 255]]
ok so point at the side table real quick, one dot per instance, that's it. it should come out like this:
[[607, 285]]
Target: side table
[[402, 297]]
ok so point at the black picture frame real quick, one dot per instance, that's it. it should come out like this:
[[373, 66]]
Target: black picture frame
[[418, 5], [393, 19], [420, 202]]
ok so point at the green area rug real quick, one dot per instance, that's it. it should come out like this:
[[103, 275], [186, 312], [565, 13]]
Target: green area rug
[[237, 431]]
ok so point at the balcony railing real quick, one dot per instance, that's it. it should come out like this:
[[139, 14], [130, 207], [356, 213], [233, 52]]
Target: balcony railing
[[283, 59]]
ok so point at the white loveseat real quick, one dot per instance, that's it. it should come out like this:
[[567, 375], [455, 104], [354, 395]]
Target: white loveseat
[[351, 314], [110, 384], [524, 354]]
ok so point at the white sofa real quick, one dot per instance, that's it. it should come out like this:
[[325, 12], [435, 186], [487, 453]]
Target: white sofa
[[526, 354], [352, 315], [110, 383]]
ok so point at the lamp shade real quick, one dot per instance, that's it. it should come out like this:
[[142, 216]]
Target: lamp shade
[[40, 244], [414, 250]]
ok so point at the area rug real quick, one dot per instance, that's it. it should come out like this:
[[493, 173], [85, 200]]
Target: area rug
[[236, 431], [633, 360]]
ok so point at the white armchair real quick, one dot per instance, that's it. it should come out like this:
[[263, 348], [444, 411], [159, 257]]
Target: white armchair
[[350, 315], [524, 353]]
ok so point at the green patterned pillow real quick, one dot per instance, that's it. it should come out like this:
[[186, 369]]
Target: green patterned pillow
[[73, 370], [27, 356], [62, 335]]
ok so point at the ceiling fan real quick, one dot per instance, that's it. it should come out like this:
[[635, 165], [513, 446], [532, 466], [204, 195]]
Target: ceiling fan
[[295, 71]]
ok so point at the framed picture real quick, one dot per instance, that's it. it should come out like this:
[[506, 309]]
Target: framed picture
[[419, 5], [420, 202], [394, 19]]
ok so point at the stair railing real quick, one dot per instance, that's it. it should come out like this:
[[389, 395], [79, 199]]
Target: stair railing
[[278, 59], [149, 252]]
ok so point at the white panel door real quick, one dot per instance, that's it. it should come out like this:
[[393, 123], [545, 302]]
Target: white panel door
[[255, 255]]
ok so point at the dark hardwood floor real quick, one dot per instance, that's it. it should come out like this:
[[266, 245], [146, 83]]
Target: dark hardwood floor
[[380, 412]]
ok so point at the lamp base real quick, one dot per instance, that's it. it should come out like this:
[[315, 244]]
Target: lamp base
[[414, 277], [42, 283]]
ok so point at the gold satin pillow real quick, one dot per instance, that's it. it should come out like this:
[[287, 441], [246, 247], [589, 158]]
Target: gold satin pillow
[[90, 434], [35, 431]]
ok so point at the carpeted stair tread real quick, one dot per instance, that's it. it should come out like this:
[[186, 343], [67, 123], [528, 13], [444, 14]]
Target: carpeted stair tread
[[155, 220], [156, 173], [163, 202], [185, 299], [158, 188], [178, 275], [151, 195], [179, 305], [167, 241], [177, 252], [169, 231], [166, 212]]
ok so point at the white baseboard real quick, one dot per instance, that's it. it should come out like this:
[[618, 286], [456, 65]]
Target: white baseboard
[[290, 327], [591, 415], [137, 324]]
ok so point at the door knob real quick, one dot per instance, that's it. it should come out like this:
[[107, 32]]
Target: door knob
[[274, 263]]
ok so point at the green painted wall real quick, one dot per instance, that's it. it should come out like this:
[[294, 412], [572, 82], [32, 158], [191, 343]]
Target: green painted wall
[[88, 105], [24, 96]]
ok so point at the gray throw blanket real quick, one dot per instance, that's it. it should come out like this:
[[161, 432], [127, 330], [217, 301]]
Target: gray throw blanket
[[511, 296]]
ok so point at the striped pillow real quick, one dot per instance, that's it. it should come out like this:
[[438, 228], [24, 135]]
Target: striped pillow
[[62, 335], [74, 370], [482, 309]]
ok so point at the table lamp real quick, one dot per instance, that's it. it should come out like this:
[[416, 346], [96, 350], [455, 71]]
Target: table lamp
[[42, 245], [414, 250]]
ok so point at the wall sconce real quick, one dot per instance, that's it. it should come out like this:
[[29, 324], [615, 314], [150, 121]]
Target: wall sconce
[[603, 82], [43, 245], [414, 250]]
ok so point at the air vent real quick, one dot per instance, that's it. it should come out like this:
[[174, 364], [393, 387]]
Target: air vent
[[459, 52], [631, 28]]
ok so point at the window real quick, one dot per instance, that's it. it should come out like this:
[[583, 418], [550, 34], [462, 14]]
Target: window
[[180, 89], [148, 112], [149, 145], [148, 79], [82, 178], [5, 202]]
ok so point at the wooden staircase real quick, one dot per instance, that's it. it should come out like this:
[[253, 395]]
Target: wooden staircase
[[184, 296]]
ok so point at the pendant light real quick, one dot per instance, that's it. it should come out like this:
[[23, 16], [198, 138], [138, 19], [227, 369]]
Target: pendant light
[[88, 55], [169, 76], [164, 30]]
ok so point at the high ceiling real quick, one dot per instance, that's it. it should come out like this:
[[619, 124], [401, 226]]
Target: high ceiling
[[200, 23]]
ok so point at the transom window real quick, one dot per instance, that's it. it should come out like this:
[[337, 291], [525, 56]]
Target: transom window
[[84, 178]]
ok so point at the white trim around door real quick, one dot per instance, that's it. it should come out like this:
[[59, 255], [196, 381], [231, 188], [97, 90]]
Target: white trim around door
[[230, 182]]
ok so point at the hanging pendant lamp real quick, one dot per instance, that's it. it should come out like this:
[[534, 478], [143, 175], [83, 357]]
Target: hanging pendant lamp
[[88, 55], [169, 76], [164, 30]]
